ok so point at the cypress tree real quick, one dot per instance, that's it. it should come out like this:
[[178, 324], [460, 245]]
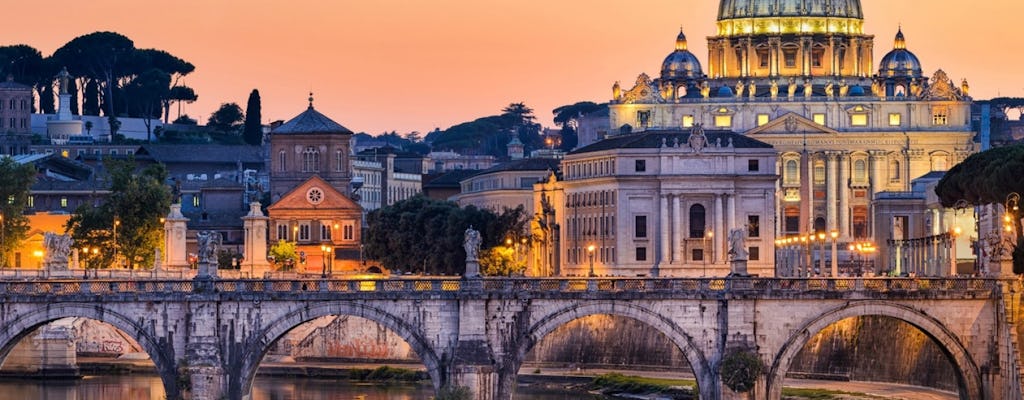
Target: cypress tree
[[253, 131]]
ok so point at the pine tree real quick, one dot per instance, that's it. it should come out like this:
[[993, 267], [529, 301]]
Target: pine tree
[[253, 131]]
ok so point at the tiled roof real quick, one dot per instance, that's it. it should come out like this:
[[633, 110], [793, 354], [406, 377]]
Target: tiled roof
[[190, 153], [653, 139], [310, 122], [526, 164], [448, 179]]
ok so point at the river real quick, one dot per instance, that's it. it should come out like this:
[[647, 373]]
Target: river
[[142, 387]]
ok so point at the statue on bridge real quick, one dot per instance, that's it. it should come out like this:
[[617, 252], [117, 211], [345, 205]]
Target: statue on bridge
[[209, 243], [471, 243], [57, 249], [738, 245]]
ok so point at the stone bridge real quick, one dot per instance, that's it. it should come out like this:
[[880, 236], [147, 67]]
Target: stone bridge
[[207, 337]]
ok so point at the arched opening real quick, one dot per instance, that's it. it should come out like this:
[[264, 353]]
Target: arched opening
[[876, 342], [106, 348], [698, 221], [593, 338], [326, 348]]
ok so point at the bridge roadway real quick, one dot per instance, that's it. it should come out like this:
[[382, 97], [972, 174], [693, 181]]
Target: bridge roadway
[[207, 337]]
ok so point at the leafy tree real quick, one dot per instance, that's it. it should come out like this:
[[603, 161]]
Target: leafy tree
[[103, 56], [284, 254], [185, 120], [253, 130], [425, 235], [227, 118], [988, 178], [1005, 103], [148, 92], [136, 203], [15, 182], [23, 63]]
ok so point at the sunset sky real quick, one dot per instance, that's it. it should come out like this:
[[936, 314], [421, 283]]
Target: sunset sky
[[413, 65]]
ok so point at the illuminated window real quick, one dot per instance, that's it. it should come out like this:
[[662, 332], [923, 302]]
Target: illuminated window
[[859, 120], [895, 119], [31, 201], [819, 118], [792, 172], [860, 171], [723, 121], [819, 174], [64, 153], [195, 200], [63, 202], [939, 117], [762, 119], [687, 121]]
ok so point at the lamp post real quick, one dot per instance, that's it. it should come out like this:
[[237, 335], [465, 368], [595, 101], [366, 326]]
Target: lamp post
[[821, 254], [115, 224], [952, 249], [835, 253], [590, 254], [704, 248], [326, 249]]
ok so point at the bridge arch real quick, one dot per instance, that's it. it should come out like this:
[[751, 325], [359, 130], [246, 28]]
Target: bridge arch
[[968, 375], [160, 350], [702, 372], [240, 385]]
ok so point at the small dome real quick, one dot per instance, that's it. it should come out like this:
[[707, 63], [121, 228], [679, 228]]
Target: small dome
[[681, 64], [856, 90], [725, 91], [900, 62]]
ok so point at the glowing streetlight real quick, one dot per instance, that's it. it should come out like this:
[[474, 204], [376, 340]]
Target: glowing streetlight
[[326, 249], [835, 253], [590, 253]]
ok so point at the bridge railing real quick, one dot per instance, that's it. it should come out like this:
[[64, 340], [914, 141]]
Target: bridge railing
[[496, 285]]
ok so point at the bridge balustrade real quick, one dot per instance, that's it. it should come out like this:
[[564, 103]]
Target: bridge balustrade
[[501, 285]]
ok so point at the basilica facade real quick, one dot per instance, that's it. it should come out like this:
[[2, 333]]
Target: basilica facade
[[799, 75]]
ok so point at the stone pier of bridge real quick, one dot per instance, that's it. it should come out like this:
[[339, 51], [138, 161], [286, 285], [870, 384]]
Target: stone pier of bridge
[[207, 338]]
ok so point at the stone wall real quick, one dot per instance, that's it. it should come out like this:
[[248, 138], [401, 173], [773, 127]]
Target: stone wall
[[607, 340], [343, 337]]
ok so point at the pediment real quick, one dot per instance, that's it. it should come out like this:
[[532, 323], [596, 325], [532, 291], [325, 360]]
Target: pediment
[[791, 124], [328, 198]]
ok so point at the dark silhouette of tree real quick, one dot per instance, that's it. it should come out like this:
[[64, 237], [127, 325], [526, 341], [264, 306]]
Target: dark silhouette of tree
[[253, 130], [46, 99], [15, 182], [91, 97], [147, 92], [425, 235], [226, 119], [568, 117], [103, 56], [988, 178], [178, 95]]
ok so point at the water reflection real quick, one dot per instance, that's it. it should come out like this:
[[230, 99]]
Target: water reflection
[[134, 387]]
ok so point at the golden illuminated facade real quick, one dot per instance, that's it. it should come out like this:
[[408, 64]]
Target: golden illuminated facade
[[799, 75]]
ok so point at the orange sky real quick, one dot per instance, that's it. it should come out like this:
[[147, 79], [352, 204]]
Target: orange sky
[[408, 65]]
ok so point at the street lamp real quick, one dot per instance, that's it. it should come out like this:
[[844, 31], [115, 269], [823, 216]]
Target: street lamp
[[326, 249], [590, 253], [952, 249], [116, 223], [821, 253], [835, 253], [704, 247]]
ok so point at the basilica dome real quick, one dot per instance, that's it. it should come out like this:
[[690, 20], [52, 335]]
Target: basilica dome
[[900, 62], [745, 17], [681, 63]]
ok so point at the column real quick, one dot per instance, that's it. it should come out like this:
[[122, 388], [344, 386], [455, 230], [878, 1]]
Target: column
[[255, 242], [937, 225], [663, 224], [719, 234], [677, 222], [807, 197], [875, 160], [730, 214], [830, 191], [844, 195]]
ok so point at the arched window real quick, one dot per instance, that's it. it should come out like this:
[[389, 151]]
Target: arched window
[[281, 157], [339, 161], [697, 221], [792, 172], [939, 163], [900, 91], [894, 171], [819, 173], [860, 171], [310, 160]]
